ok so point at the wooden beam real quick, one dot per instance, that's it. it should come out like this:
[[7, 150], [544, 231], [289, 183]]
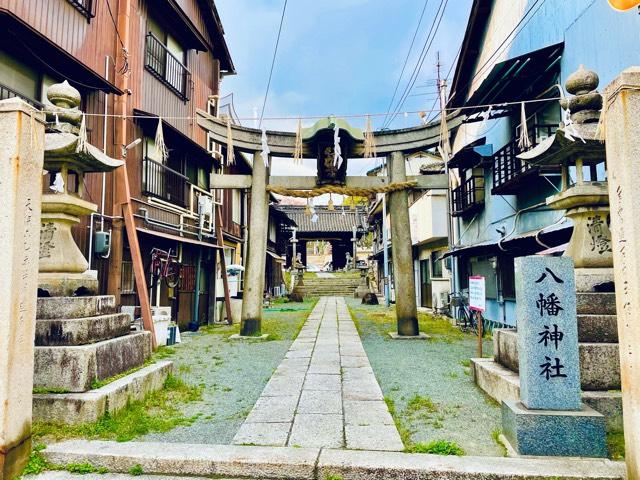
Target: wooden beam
[[230, 181], [309, 183]]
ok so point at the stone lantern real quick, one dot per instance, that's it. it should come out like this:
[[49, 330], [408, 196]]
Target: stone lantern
[[586, 200], [63, 270]]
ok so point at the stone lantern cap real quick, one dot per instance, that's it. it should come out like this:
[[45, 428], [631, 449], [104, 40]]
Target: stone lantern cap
[[65, 140]]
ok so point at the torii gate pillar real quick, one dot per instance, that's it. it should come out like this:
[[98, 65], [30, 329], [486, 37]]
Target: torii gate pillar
[[251, 318], [405, 289]]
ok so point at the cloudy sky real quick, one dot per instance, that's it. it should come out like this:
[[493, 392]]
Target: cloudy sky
[[341, 57]]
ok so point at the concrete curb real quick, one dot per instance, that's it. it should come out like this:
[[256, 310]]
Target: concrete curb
[[312, 463]]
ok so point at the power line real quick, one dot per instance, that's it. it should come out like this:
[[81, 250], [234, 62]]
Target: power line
[[435, 25], [406, 59], [273, 62]]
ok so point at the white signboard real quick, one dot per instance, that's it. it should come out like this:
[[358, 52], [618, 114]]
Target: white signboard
[[477, 293]]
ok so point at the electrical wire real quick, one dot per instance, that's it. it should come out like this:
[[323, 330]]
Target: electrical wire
[[406, 59], [273, 62], [435, 26]]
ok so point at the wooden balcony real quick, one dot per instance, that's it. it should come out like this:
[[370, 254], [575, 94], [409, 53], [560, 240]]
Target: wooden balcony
[[163, 65], [468, 197], [86, 7], [162, 182], [509, 171], [6, 92]]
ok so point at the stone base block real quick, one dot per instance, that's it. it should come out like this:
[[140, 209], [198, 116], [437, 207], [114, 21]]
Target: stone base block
[[75, 307], [81, 331], [420, 336], [237, 336], [554, 433], [596, 303], [503, 385], [598, 328], [588, 278], [361, 292], [74, 368], [13, 459], [67, 284], [599, 362], [88, 407]]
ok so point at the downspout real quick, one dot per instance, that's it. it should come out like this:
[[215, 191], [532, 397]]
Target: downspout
[[104, 143]]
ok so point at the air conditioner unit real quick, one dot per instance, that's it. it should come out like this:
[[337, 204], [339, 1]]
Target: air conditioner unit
[[205, 209]]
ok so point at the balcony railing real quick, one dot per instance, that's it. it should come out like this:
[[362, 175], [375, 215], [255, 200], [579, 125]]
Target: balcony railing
[[166, 67], [468, 197], [6, 92], [86, 7], [508, 170], [160, 181]]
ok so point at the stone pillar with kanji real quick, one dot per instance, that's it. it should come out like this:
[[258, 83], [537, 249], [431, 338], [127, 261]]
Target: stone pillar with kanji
[[550, 418]]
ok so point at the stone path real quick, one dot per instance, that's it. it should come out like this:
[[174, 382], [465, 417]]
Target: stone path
[[325, 275], [324, 393]]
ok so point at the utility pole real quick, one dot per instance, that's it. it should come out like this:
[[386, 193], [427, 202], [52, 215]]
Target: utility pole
[[445, 151]]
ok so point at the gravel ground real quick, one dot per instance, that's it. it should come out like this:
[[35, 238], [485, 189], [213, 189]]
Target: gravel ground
[[232, 374], [429, 382]]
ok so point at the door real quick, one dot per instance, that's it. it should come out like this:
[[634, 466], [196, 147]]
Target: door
[[425, 285]]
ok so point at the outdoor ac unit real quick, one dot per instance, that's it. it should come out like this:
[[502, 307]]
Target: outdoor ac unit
[[205, 208]]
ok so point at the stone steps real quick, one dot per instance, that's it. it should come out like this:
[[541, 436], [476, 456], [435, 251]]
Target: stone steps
[[89, 407], [503, 384], [597, 328], [596, 303], [599, 362], [75, 307], [74, 368], [81, 331]]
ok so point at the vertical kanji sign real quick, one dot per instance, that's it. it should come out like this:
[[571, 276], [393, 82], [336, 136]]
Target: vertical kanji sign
[[547, 333]]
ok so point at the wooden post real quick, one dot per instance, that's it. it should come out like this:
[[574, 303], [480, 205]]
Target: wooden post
[[406, 308], [223, 265], [622, 123], [251, 320], [21, 163]]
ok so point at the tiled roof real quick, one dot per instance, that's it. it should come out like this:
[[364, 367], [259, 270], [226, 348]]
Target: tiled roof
[[328, 220]]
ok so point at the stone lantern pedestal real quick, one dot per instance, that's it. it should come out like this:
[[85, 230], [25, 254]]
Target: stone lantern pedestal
[[81, 338]]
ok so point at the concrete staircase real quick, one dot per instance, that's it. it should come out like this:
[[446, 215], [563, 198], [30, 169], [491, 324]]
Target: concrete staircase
[[81, 341], [599, 359], [328, 287]]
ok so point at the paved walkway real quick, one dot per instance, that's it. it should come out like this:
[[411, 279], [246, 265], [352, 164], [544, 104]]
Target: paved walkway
[[324, 393]]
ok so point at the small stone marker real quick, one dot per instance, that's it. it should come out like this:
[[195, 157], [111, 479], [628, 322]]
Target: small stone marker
[[550, 419], [547, 333]]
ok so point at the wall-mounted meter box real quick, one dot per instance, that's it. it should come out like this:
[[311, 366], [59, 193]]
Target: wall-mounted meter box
[[102, 241]]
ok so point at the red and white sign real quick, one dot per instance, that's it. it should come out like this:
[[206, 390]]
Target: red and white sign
[[477, 298]]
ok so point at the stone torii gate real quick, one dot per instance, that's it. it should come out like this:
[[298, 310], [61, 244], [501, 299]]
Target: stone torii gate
[[318, 143]]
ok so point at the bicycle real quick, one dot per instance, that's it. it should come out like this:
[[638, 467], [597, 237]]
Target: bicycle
[[164, 266], [464, 318]]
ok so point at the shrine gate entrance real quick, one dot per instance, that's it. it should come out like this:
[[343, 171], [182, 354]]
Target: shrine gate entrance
[[333, 143]]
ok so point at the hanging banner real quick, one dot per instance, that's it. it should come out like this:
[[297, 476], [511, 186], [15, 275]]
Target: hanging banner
[[477, 298]]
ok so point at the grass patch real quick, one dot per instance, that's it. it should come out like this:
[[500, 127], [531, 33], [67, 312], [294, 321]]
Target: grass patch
[[495, 434], [44, 390], [38, 464], [615, 445], [437, 447], [383, 320], [136, 470], [419, 404], [158, 412]]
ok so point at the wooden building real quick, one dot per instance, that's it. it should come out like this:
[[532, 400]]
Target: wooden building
[[138, 63]]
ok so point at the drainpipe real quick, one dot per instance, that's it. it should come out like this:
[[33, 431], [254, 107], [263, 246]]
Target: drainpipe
[[194, 325], [104, 143]]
